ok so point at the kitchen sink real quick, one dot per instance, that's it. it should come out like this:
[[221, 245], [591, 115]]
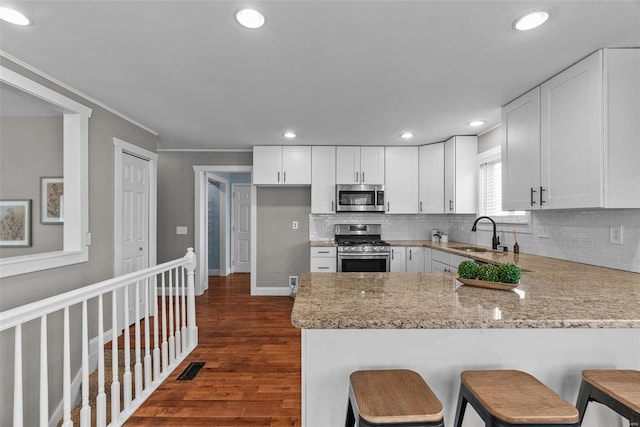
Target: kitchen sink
[[472, 249]]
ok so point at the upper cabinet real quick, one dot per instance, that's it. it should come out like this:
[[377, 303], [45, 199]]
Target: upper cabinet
[[281, 165], [431, 178], [401, 182], [461, 175], [323, 180], [360, 165], [579, 148]]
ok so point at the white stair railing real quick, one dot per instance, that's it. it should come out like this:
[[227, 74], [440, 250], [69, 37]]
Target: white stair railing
[[176, 282]]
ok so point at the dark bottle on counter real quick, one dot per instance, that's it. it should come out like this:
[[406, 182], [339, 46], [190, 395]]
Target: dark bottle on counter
[[516, 248]]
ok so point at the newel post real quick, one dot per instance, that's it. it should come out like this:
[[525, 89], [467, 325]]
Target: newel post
[[192, 329]]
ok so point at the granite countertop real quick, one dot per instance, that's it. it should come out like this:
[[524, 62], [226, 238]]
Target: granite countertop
[[557, 294]]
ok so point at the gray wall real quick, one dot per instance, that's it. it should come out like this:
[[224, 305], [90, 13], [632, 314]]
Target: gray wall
[[19, 290], [282, 251], [31, 148], [489, 140], [176, 197]]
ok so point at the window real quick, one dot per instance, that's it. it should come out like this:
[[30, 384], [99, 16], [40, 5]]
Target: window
[[490, 190]]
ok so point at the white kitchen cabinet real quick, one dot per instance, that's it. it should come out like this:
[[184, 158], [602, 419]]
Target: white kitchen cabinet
[[398, 259], [359, 165], [584, 151], [461, 175], [323, 180], [445, 262], [401, 180], [415, 256], [323, 260], [431, 178], [281, 165], [521, 152]]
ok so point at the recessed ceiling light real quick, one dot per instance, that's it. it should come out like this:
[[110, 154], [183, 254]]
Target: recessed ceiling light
[[406, 135], [530, 20], [13, 16], [289, 134], [250, 18], [476, 123]]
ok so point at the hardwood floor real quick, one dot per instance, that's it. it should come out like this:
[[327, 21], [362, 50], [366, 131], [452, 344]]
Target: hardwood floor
[[252, 371]]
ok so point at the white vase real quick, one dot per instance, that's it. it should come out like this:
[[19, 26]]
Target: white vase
[[444, 238]]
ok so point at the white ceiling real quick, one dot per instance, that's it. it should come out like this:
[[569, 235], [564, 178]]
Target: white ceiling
[[335, 72]]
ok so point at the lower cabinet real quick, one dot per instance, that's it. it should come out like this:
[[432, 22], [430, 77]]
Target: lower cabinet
[[410, 259], [444, 262], [323, 259]]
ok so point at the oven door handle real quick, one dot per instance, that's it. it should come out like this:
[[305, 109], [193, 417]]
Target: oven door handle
[[363, 256]]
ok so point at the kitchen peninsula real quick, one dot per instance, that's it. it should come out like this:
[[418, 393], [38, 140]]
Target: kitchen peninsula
[[572, 317]]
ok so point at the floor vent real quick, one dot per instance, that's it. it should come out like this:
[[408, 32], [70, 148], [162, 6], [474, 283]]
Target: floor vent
[[191, 371]]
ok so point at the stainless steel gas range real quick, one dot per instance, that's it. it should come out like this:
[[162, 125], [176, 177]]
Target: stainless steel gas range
[[360, 248]]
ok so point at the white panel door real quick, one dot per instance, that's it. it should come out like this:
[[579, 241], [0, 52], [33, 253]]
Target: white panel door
[[401, 189], [398, 263], [241, 229], [372, 165], [296, 165], [450, 175], [135, 223], [415, 259], [267, 164]]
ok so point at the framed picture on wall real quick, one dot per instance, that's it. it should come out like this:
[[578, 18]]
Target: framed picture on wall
[[15, 223], [51, 200]]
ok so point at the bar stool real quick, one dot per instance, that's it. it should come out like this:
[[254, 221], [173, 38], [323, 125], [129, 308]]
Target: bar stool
[[507, 398], [392, 398], [617, 389]]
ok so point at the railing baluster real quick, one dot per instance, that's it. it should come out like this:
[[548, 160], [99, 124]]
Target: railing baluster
[[138, 364], [115, 382], [126, 377], [85, 412], [101, 399], [172, 342], [177, 319], [156, 349], [165, 345], [147, 346], [17, 378], [44, 374], [191, 299], [183, 295], [66, 372]]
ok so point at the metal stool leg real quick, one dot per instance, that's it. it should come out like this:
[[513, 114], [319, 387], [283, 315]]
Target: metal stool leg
[[583, 399], [462, 405], [351, 419]]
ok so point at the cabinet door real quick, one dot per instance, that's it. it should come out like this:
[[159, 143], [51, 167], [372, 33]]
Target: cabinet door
[[571, 137], [415, 259], [450, 175], [401, 188], [348, 165], [431, 178], [398, 259], [296, 165], [372, 165], [466, 175], [323, 180], [427, 259], [438, 267], [521, 152], [267, 164]]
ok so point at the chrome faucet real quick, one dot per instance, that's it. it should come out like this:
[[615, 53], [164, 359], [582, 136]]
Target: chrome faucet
[[496, 240]]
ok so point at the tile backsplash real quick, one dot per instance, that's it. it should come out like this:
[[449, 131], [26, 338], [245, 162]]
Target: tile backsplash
[[573, 235]]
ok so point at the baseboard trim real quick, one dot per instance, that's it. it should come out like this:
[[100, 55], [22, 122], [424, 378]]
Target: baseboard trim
[[271, 291]]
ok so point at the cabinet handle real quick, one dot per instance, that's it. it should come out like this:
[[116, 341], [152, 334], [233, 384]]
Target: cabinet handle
[[363, 177], [323, 252], [409, 254], [278, 176], [392, 254], [332, 206], [285, 176], [450, 205], [388, 207], [323, 268], [542, 190], [446, 270], [420, 206], [533, 202], [357, 176]]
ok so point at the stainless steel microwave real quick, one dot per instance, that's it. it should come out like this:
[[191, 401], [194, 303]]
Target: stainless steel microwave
[[360, 198]]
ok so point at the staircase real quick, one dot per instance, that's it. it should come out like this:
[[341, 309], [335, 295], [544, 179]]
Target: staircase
[[126, 370]]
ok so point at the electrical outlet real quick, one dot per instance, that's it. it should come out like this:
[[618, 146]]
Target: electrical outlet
[[181, 230], [615, 235], [543, 230], [294, 225]]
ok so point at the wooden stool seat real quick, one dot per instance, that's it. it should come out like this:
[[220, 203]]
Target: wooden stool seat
[[392, 397], [509, 398], [618, 389]]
